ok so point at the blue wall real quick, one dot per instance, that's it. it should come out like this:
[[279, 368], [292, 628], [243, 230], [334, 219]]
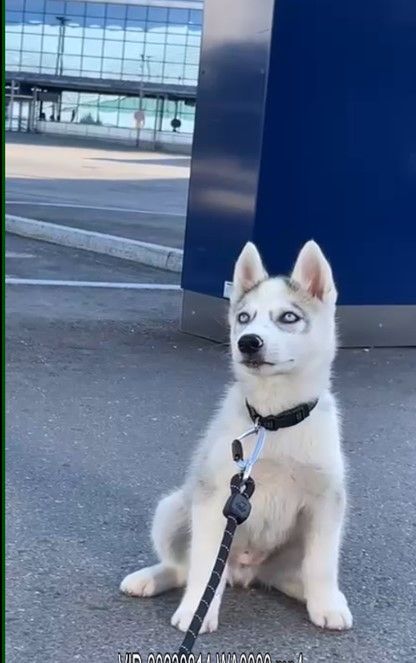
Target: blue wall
[[327, 150]]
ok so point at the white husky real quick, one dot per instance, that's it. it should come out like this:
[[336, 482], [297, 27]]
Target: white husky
[[283, 343]]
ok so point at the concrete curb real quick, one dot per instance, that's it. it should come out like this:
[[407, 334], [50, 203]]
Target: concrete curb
[[154, 255]]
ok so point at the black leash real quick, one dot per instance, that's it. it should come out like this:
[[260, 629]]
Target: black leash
[[237, 510]]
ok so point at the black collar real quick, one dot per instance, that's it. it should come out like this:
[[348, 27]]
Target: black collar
[[283, 420]]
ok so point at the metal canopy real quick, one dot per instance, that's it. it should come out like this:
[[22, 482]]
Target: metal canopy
[[102, 85]]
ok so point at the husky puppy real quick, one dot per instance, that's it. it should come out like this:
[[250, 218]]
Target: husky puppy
[[283, 343]]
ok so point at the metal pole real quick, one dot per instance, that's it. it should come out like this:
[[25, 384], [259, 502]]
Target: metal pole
[[59, 67], [58, 49], [32, 111], [162, 110], [63, 46], [19, 120], [141, 82], [176, 113], [140, 97], [155, 123], [11, 104]]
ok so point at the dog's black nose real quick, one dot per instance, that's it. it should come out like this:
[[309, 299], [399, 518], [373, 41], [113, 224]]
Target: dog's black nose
[[249, 344]]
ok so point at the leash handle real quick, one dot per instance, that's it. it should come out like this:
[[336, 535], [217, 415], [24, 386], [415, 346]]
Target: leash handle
[[236, 510]]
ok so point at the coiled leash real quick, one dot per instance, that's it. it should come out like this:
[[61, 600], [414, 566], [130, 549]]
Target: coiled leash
[[237, 508]]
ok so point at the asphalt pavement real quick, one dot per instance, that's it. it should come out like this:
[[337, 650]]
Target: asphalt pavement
[[28, 258], [98, 187], [106, 399]]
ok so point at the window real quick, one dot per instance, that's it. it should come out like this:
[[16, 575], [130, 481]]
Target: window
[[13, 41], [175, 54], [195, 16], [72, 62], [48, 61], [191, 74], [153, 51], [137, 13], [92, 73], [31, 42], [94, 27], [113, 49], [90, 64], [50, 20], [173, 73], [73, 45], [95, 9], [116, 11], [122, 40], [13, 18], [194, 40], [50, 42], [132, 50], [74, 23], [93, 47], [12, 60], [131, 67], [158, 14], [156, 36], [113, 31], [175, 38], [35, 6], [15, 5], [56, 7], [178, 16], [155, 71], [30, 61], [192, 55], [33, 23], [75, 9], [111, 67], [133, 27]]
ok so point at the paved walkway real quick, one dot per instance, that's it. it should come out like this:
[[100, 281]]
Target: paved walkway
[[107, 189]]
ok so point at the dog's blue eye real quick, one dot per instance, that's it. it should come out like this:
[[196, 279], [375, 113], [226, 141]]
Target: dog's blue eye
[[288, 318], [243, 318]]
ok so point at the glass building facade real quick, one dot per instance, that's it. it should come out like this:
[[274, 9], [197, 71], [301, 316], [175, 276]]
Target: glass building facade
[[146, 42]]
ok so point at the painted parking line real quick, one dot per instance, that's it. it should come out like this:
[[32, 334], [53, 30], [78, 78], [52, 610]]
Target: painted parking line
[[93, 207], [12, 280], [15, 254]]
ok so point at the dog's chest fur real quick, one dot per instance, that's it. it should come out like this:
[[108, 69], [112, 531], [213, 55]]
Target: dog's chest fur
[[283, 490], [296, 467]]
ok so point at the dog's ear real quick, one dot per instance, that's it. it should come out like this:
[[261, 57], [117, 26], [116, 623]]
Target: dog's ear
[[248, 271], [313, 272]]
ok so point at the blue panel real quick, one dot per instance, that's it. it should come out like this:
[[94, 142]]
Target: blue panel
[[338, 155], [227, 139], [339, 152]]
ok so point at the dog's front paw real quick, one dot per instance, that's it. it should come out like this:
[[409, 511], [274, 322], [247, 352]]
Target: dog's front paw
[[330, 611], [139, 583], [183, 616]]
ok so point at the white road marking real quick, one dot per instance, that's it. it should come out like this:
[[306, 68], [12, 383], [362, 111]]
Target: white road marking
[[93, 207], [14, 254], [12, 280]]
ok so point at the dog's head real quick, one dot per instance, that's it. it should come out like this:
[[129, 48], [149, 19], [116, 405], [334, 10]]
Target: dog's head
[[282, 325]]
